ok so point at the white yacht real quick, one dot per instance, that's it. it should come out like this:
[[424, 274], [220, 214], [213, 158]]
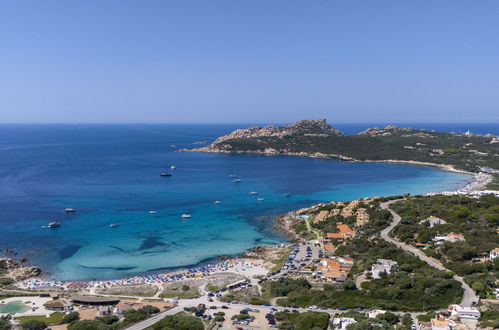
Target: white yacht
[[186, 216], [70, 210], [113, 225], [253, 193], [152, 212], [54, 224], [218, 202], [237, 180]]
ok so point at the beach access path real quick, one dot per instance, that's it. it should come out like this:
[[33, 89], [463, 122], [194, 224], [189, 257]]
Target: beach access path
[[469, 295]]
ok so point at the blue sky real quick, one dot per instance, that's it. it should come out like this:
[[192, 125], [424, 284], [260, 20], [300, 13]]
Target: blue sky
[[249, 61]]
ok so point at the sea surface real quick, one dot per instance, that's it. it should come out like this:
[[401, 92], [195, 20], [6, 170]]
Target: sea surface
[[110, 175]]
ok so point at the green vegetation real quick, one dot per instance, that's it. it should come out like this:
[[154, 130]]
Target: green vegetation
[[475, 219], [250, 295], [71, 317], [413, 286], [494, 185], [110, 319], [88, 325], [54, 318], [180, 321], [33, 325], [389, 143], [489, 319], [4, 323], [182, 292], [6, 281], [302, 321]]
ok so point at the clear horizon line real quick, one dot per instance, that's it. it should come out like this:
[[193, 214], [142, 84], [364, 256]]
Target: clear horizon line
[[245, 123]]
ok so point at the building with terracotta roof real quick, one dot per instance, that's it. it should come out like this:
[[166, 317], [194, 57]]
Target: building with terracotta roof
[[345, 232], [329, 248], [334, 269], [442, 323], [450, 237]]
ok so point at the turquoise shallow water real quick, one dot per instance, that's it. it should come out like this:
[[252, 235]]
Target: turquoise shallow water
[[110, 174], [16, 306]]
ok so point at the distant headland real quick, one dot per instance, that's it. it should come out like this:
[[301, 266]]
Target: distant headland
[[316, 138]]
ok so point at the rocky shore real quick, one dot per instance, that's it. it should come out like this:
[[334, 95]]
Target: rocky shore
[[16, 270]]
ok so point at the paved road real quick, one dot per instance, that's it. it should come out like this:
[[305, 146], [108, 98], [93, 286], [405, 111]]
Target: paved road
[[469, 295], [156, 318]]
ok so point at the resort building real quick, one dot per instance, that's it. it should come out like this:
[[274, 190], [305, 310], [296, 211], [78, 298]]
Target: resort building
[[464, 312], [494, 253], [433, 221], [345, 232], [450, 237], [362, 217], [323, 215], [334, 269], [347, 211], [383, 266]]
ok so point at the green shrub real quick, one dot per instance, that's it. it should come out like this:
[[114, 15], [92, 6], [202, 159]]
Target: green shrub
[[71, 317], [34, 325]]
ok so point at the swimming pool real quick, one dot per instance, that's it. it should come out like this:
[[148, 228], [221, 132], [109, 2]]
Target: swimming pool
[[12, 307]]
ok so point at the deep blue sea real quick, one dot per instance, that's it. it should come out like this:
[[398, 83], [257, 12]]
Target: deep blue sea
[[110, 174]]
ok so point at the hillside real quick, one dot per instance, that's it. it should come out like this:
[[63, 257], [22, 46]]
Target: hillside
[[316, 138]]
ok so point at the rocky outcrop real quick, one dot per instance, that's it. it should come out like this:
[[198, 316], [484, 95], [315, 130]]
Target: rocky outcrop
[[15, 269], [318, 127]]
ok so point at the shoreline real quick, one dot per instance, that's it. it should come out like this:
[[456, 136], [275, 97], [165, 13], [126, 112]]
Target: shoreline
[[478, 182]]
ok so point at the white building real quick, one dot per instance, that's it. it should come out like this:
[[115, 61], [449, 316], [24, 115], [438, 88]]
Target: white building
[[433, 221], [383, 266], [464, 312], [494, 253], [376, 312], [341, 323]]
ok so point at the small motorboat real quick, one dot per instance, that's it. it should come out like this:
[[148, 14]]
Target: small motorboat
[[54, 224], [260, 199], [217, 202], [237, 180], [287, 195], [253, 193], [70, 210], [173, 167], [186, 216], [152, 212], [113, 225]]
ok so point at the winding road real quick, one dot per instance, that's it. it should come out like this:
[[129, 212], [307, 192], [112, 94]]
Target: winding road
[[469, 295]]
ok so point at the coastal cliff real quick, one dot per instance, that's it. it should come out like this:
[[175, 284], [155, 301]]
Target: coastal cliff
[[316, 138]]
